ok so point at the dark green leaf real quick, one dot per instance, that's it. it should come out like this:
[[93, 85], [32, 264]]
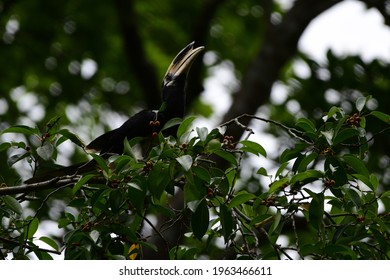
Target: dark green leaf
[[275, 186], [101, 162], [306, 161], [356, 164], [226, 221], [13, 204], [200, 220], [115, 200], [253, 147], [32, 227], [82, 182], [172, 122], [382, 116], [354, 196], [71, 136], [227, 156], [5, 146], [316, 209], [20, 129], [202, 173], [241, 199], [307, 125], [49, 242], [344, 135], [275, 224], [307, 176]]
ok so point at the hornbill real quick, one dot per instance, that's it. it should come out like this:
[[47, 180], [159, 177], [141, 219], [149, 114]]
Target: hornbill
[[144, 123]]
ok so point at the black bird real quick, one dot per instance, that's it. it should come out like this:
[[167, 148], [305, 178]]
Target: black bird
[[144, 123]]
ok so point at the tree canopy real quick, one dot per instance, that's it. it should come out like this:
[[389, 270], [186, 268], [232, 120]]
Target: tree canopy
[[69, 72]]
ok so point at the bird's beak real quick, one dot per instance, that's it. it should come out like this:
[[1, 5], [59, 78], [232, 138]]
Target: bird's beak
[[182, 63]]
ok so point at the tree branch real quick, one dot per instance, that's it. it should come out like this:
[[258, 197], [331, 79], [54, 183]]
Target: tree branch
[[26, 188]]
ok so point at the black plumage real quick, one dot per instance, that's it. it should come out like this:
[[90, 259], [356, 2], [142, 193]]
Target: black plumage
[[146, 122]]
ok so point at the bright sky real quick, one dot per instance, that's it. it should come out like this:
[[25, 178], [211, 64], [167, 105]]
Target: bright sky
[[348, 28]]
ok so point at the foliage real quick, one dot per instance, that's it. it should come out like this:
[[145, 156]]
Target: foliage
[[321, 203]]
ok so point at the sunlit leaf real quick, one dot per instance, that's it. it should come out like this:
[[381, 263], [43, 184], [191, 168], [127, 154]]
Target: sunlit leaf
[[185, 161], [46, 151], [184, 126]]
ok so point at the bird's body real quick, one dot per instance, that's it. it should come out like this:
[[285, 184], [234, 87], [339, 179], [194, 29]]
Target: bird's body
[[146, 122]]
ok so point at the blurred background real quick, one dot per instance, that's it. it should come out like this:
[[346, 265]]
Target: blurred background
[[95, 63]]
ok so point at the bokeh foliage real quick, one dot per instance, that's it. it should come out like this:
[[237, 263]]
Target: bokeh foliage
[[329, 183]]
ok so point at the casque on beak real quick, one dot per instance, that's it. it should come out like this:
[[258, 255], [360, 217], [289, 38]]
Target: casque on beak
[[181, 63]]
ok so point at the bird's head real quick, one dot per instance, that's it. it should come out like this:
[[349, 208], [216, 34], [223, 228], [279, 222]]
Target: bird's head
[[175, 77]]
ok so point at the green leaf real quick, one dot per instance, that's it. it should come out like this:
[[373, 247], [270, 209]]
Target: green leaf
[[184, 126], [46, 151], [172, 122], [262, 171], [240, 199], [185, 161], [328, 136], [115, 200], [361, 102], [354, 196], [316, 209], [158, 179], [200, 220], [365, 180], [253, 147], [226, 218], [202, 133], [5, 146], [281, 168], [307, 176], [275, 224], [307, 125], [356, 164], [71, 136], [101, 162], [345, 134], [50, 242], [306, 161], [13, 204], [21, 129], [15, 158], [202, 173], [32, 227], [275, 186], [82, 182], [227, 156], [382, 116]]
